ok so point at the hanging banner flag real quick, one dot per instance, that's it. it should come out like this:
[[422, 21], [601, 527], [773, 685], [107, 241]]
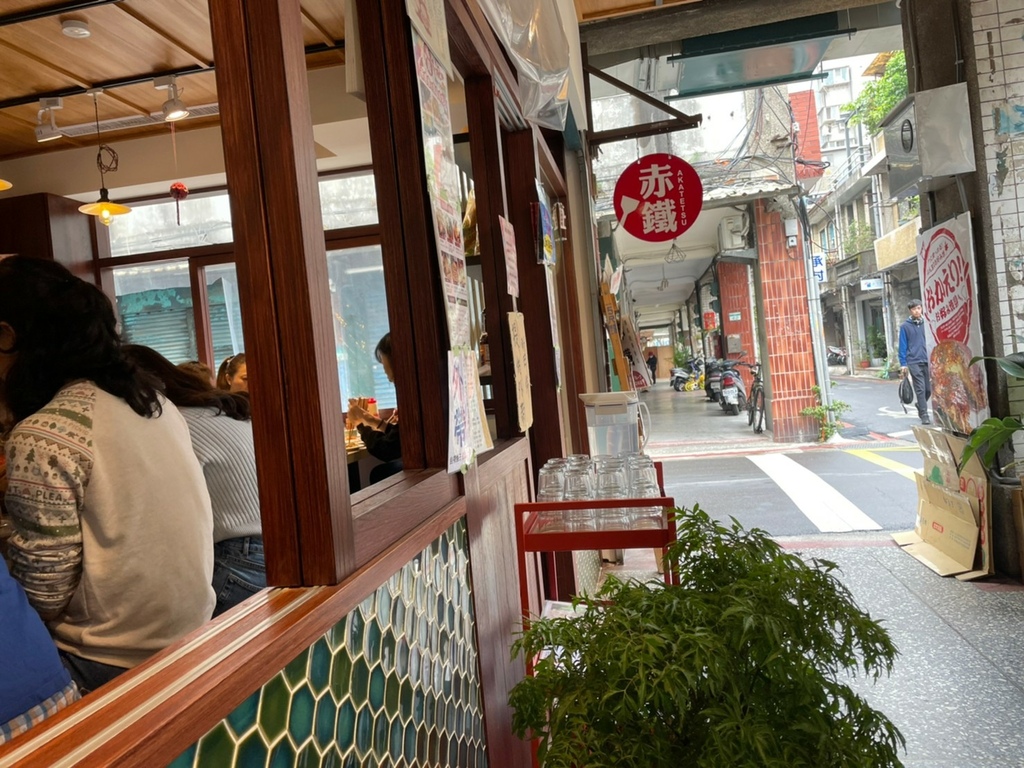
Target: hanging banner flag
[[658, 197], [428, 19], [443, 185], [945, 258]]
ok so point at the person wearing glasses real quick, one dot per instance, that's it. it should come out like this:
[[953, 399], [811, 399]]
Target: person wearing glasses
[[380, 436], [232, 375]]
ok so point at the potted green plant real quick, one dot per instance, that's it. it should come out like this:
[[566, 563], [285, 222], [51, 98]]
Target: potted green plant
[[992, 434], [742, 663]]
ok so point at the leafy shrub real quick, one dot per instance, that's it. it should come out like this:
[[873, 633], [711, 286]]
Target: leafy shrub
[[740, 664]]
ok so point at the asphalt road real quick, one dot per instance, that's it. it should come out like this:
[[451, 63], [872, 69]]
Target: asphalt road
[[875, 407], [804, 493]]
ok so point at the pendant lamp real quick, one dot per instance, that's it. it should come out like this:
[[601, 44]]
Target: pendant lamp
[[5, 185], [106, 162]]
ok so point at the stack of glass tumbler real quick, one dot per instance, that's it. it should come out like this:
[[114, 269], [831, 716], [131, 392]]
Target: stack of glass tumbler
[[581, 478]]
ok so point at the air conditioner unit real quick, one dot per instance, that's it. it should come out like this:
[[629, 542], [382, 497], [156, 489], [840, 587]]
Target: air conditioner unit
[[928, 140], [732, 233]]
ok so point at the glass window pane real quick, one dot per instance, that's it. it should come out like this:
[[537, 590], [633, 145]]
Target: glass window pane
[[360, 310], [225, 314], [153, 226], [348, 201], [154, 302]]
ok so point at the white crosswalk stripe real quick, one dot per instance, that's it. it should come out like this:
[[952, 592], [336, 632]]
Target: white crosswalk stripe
[[819, 502]]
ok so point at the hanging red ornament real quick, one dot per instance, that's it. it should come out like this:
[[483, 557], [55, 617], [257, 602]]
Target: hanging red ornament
[[179, 192]]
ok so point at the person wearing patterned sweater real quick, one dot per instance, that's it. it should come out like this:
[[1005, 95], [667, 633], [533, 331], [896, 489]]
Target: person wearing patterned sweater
[[221, 432], [113, 529]]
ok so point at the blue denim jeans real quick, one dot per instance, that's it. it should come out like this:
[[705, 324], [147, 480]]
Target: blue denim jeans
[[89, 674], [239, 571]]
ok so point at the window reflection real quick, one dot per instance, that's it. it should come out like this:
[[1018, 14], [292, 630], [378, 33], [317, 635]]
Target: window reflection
[[225, 313], [154, 226], [154, 303], [359, 307]]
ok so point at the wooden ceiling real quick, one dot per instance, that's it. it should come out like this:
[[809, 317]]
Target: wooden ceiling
[[592, 10], [130, 42]]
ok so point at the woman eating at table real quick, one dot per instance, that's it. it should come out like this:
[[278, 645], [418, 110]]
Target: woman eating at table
[[221, 431], [112, 528], [380, 436]]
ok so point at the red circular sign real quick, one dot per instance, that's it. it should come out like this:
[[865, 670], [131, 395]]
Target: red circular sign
[[948, 294], [658, 197]]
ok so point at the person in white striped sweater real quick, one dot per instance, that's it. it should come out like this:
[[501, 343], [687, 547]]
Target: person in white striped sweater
[[221, 432]]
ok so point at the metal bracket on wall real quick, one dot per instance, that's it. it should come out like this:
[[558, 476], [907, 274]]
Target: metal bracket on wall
[[680, 120]]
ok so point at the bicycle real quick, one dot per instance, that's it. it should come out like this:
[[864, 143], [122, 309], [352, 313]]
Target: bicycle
[[755, 402]]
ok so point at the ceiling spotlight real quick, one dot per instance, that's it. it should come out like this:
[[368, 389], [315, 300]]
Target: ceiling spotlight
[[174, 108], [76, 28], [46, 125]]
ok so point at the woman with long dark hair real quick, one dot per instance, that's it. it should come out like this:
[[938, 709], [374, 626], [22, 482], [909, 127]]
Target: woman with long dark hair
[[221, 433], [113, 531], [380, 436]]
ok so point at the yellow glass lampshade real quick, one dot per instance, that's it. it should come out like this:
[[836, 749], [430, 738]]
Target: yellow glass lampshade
[[4, 184]]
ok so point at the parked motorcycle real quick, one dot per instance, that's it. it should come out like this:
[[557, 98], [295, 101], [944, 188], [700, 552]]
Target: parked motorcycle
[[688, 376], [713, 379], [836, 356], [733, 397]]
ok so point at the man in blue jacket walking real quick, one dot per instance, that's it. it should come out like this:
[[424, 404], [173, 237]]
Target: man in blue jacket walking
[[914, 357]]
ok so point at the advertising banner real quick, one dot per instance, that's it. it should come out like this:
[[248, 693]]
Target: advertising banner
[[945, 258], [443, 185]]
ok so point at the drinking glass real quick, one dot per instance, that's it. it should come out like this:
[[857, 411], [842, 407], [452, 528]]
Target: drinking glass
[[611, 484], [578, 488]]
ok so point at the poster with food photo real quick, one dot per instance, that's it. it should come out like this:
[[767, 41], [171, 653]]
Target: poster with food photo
[[443, 186], [945, 260]]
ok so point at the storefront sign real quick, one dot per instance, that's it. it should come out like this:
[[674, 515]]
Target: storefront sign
[[734, 317], [871, 284], [710, 321], [818, 267], [658, 197], [945, 257]]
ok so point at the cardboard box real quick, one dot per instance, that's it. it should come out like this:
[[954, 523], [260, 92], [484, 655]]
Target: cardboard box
[[973, 482], [945, 537], [954, 510]]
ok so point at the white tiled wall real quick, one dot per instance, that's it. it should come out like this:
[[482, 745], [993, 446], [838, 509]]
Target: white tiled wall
[[998, 27]]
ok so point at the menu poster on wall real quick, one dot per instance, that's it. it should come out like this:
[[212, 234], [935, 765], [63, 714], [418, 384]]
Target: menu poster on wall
[[945, 259], [549, 276], [545, 229], [443, 186], [508, 240], [521, 364], [479, 431], [429, 21], [468, 433], [459, 447]]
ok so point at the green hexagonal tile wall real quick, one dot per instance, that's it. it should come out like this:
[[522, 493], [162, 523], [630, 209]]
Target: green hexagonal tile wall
[[394, 682]]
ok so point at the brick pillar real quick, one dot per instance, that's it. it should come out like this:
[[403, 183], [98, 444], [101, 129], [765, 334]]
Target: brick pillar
[[734, 294], [787, 328]]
